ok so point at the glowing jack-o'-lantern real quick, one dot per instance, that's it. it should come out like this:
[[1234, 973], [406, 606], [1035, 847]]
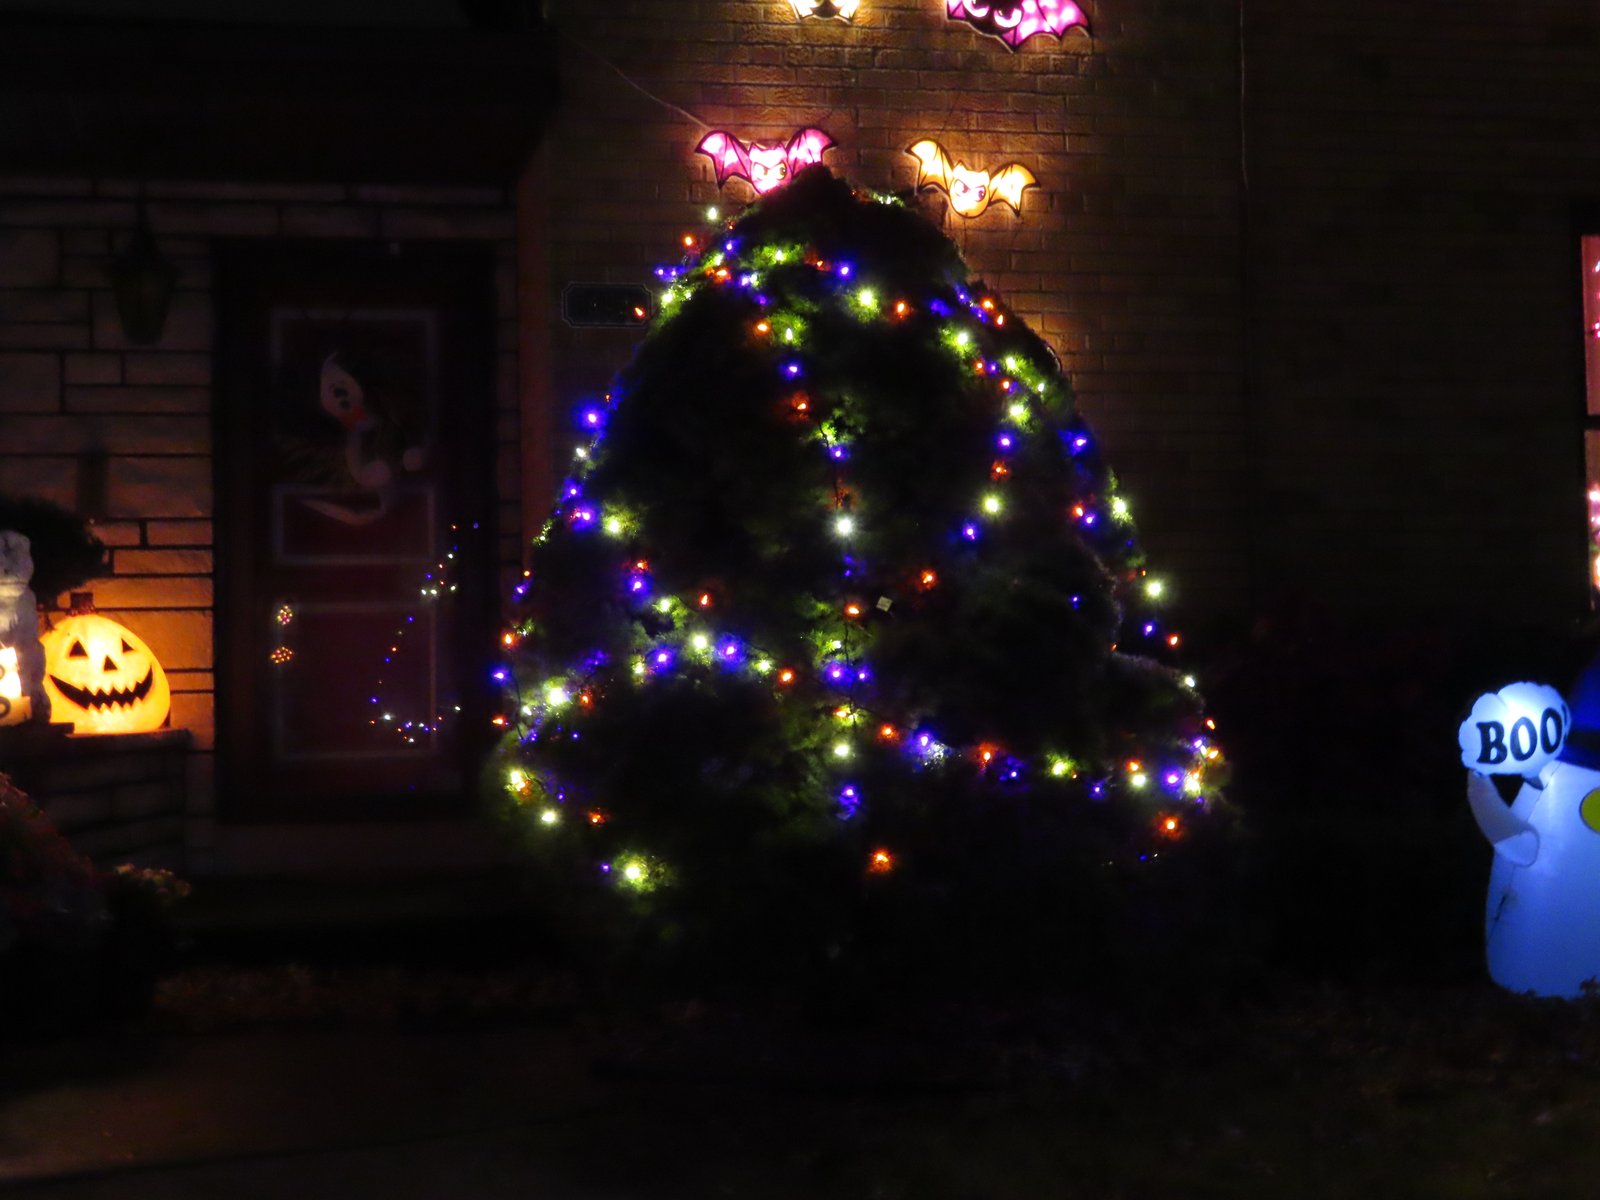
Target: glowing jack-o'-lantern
[[102, 678]]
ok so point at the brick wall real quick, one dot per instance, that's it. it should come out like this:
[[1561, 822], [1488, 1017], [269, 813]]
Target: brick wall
[[124, 432], [118, 798], [1416, 320], [1125, 257]]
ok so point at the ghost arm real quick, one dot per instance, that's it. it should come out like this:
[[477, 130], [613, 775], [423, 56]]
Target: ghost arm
[[1512, 837]]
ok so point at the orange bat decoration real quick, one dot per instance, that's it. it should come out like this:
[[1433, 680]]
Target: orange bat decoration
[[843, 9], [970, 191]]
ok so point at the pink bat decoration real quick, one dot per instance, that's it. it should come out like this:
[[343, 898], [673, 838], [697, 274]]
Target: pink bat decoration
[[1015, 21], [764, 165]]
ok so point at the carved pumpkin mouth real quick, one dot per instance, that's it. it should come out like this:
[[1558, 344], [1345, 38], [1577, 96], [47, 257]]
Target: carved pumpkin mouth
[[111, 698]]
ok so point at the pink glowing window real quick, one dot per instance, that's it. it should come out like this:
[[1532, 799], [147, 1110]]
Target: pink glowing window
[[1591, 423]]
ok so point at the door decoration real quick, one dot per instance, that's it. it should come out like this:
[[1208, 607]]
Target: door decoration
[[22, 696], [763, 165], [377, 445], [1015, 21], [102, 678], [844, 10], [971, 192], [1542, 919]]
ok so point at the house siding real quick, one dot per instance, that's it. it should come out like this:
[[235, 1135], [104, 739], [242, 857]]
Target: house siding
[[1416, 324]]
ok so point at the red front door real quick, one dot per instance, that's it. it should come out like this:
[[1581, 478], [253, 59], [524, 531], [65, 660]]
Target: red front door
[[355, 553]]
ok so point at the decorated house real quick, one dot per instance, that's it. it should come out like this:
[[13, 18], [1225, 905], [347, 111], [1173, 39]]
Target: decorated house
[[296, 303]]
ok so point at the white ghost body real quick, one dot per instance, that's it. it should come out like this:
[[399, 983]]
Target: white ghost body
[[1542, 921]]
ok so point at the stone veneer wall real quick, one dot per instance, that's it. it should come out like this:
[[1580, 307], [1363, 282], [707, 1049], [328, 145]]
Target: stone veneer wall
[[123, 433]]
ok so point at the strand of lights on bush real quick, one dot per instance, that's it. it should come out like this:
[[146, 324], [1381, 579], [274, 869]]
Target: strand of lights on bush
[[1025, 393], [437, 584]]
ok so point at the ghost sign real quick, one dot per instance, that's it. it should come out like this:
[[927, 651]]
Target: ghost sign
[[1515, 731]]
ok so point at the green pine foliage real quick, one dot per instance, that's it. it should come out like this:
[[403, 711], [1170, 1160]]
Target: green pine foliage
[[839, 646]]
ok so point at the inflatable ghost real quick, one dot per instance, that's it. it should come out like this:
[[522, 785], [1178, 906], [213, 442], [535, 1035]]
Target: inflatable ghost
[[1542, 921]]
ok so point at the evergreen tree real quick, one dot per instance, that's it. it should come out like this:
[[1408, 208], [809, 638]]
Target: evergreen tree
[[839, 639]]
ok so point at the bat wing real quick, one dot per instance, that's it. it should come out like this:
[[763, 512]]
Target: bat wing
[[729, 156], [933, 164], [1008, 183], [806, 147]]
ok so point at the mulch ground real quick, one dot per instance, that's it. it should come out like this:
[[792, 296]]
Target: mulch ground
[[1296, 1090]]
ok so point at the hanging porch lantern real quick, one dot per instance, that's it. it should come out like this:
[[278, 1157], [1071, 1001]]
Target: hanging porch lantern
[[142, 282]]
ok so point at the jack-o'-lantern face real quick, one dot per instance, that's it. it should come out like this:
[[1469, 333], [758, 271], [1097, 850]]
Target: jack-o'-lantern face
[[102, 678]]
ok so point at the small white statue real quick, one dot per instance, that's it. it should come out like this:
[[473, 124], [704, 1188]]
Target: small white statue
[[19, 624]]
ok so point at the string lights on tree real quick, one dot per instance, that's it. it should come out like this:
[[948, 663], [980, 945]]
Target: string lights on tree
[[838, 566]]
